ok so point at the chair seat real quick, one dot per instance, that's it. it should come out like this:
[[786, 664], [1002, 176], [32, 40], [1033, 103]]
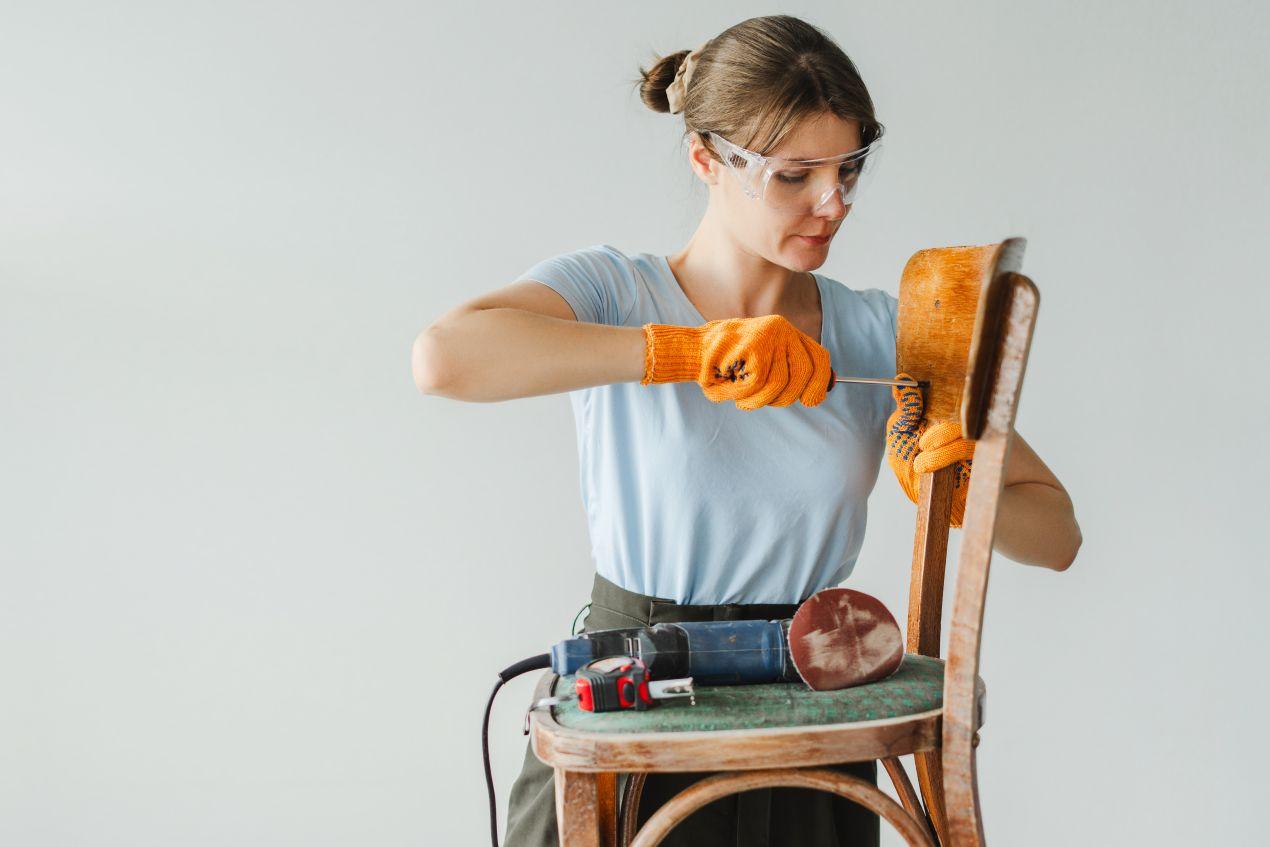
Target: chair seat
[[916, 687], [737, 727]]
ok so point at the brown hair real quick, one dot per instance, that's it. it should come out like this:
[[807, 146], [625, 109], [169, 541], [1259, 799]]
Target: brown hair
[[755, 81]]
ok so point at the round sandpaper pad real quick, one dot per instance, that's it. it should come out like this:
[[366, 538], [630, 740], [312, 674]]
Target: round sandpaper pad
[[840, 637]]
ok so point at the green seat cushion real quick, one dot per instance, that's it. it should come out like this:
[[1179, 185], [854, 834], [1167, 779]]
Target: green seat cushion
[[916, 686]]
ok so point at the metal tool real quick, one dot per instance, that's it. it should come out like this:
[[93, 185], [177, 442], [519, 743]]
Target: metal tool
[[615, 683], [908, 383], [658, 689], [619, 682]]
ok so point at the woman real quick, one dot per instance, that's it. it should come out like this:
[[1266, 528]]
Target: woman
[[721, 478]]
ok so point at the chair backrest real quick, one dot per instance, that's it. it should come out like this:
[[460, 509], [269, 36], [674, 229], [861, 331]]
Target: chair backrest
[[965, 325]]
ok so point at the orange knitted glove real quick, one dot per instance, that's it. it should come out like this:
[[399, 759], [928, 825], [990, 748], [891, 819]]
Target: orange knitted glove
[[915, 447], [764, 361]]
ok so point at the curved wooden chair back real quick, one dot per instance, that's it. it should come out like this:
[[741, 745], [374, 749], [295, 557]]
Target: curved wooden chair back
[[943, 321], [964, 325]]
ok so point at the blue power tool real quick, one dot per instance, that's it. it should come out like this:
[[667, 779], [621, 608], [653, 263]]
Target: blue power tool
[[711, 652]]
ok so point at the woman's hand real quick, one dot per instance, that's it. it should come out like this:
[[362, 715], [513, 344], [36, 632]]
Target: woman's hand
[[914, 446], [763, 361]]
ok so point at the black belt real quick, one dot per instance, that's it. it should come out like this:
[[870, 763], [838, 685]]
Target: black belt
[[656, 610]]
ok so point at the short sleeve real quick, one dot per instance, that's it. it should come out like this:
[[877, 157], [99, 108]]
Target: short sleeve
[[892, 344], [893, 308], [887, 360], [599, 282]]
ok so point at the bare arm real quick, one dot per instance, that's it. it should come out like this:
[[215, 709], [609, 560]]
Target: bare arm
[[1036, 524], [521, 340]]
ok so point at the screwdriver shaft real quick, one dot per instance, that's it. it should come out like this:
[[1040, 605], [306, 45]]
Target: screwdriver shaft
[[912, 383]]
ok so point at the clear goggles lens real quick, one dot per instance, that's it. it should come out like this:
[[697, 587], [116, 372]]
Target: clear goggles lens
[[800, 185]]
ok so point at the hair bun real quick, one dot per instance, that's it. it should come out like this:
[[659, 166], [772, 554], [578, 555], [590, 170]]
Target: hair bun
[[658, 78]]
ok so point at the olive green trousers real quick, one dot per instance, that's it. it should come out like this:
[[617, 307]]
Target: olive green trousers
[[764, 817]]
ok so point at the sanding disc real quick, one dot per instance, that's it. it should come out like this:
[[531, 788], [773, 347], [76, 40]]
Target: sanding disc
[[840, 637]]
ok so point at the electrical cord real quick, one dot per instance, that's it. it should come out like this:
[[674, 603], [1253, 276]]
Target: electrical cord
[[573, 628], [523, 666]]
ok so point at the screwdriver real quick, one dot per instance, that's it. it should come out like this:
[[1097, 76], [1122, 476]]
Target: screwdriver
[[907, 383]]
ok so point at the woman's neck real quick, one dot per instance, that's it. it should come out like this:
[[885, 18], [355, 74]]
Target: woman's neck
[[722, 279]]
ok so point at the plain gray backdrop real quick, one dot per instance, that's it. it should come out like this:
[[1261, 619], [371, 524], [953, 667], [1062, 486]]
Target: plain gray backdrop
[[256, 587]]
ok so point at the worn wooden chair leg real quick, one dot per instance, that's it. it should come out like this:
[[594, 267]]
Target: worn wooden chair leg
[[904, 788], [606, 807], [965, 819], [578, 809], [721, 785], [925, 611], [628, 815], [930, 776]]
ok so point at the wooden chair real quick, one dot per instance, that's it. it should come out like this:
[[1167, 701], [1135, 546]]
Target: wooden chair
[[965, 324]]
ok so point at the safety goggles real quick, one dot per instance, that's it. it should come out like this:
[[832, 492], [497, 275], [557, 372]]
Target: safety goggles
[[799, 186]]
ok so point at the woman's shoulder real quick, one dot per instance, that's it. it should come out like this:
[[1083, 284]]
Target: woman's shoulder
[[599, 260], [600, 281]]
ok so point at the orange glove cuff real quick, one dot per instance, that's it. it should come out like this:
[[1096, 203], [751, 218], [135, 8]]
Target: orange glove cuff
[[941, 445], [672, 353]]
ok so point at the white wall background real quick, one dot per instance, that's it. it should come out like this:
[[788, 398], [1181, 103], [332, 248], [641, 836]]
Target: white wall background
[[256, 588]]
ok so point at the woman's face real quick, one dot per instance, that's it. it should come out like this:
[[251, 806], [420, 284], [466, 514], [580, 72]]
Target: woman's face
[[775, 234]]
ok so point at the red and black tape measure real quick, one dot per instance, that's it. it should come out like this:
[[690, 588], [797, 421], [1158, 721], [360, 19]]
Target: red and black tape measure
[[613, 684]]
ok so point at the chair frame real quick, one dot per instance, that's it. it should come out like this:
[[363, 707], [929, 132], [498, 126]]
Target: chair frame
[[942, 742]]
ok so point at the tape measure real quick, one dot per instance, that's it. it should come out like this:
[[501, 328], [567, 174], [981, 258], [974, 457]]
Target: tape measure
[[612, 684], [615, 683]]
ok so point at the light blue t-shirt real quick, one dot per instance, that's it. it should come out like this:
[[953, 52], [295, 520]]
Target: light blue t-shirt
[[702, 502]]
